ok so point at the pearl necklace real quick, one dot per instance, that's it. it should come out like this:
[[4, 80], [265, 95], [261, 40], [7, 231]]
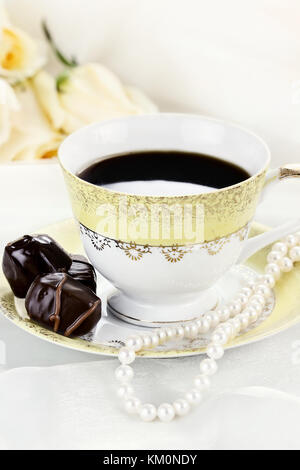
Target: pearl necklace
[[225, 324]]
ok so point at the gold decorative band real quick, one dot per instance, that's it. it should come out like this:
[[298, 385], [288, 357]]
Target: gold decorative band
[[172, 254], [141, 219]]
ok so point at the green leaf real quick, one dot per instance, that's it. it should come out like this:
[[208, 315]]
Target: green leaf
[[62, 58], [61, 81], [21, 85]]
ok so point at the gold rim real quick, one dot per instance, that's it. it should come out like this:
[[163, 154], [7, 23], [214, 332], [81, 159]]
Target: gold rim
[[291, 170]]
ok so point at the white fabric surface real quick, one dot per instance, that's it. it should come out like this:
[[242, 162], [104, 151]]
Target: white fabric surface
[[71, 404], [237, 60]]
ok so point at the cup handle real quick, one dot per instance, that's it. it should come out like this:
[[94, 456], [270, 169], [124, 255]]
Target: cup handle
[[260, 241]]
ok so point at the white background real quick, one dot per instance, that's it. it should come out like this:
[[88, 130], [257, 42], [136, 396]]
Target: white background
[[238, 60]]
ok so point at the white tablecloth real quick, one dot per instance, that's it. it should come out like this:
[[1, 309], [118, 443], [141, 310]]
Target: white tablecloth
[[51, 397]]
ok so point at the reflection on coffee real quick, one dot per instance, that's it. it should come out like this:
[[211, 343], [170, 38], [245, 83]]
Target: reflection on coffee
[[162, 172]]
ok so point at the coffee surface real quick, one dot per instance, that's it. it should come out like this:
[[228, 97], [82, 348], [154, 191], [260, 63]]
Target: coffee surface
[[163, 173]]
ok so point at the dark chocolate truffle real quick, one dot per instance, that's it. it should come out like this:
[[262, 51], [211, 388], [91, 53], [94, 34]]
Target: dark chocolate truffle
[[62, 304], [29, 256], [83, 271]]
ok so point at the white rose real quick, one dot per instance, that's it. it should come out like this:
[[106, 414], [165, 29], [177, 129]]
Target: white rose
[[20, 55], [9, 105], [87, 94], [25, 132]]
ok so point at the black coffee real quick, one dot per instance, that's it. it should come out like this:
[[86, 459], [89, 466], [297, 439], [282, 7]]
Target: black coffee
[[168, 166]]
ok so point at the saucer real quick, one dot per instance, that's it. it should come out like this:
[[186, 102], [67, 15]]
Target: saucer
[[111, 332]]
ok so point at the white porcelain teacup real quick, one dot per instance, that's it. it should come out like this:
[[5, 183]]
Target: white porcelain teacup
[[168, 277]]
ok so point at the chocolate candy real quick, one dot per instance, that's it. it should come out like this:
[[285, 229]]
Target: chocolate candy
[[62, 304], [83, 271], [29, 256]]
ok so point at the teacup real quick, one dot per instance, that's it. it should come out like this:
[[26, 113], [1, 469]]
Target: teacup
[[168, 278]]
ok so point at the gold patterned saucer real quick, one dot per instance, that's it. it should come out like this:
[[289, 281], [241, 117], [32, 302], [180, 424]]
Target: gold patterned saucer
[[111, 332]]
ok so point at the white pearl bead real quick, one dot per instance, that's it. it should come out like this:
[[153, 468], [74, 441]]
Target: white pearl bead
[[126, 355], [132, 405], [181, 406], [224, 313], [251, 284], [259, 298], [274, 269], [154, 340], [193, 396], [165, 412], [147, 412], [219, 337], [295, 253], [286, 264], [208, 366], [228, 329], [264, 290], [134, 342], [202, 382], [235, 308], [147, 343], [244, 319], [209, 319], [194, 330], [203, 325], [215, 319], [236, 325], [187, 330], [269, 280], [257, 306], [274, 256], [124, 373], [162, 335], [246, 291], [281, 247], [125, 391], [215, 351], [253, 314], [191, 330], [291, 241], [170, 332], [179, 331], [243, 299]]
